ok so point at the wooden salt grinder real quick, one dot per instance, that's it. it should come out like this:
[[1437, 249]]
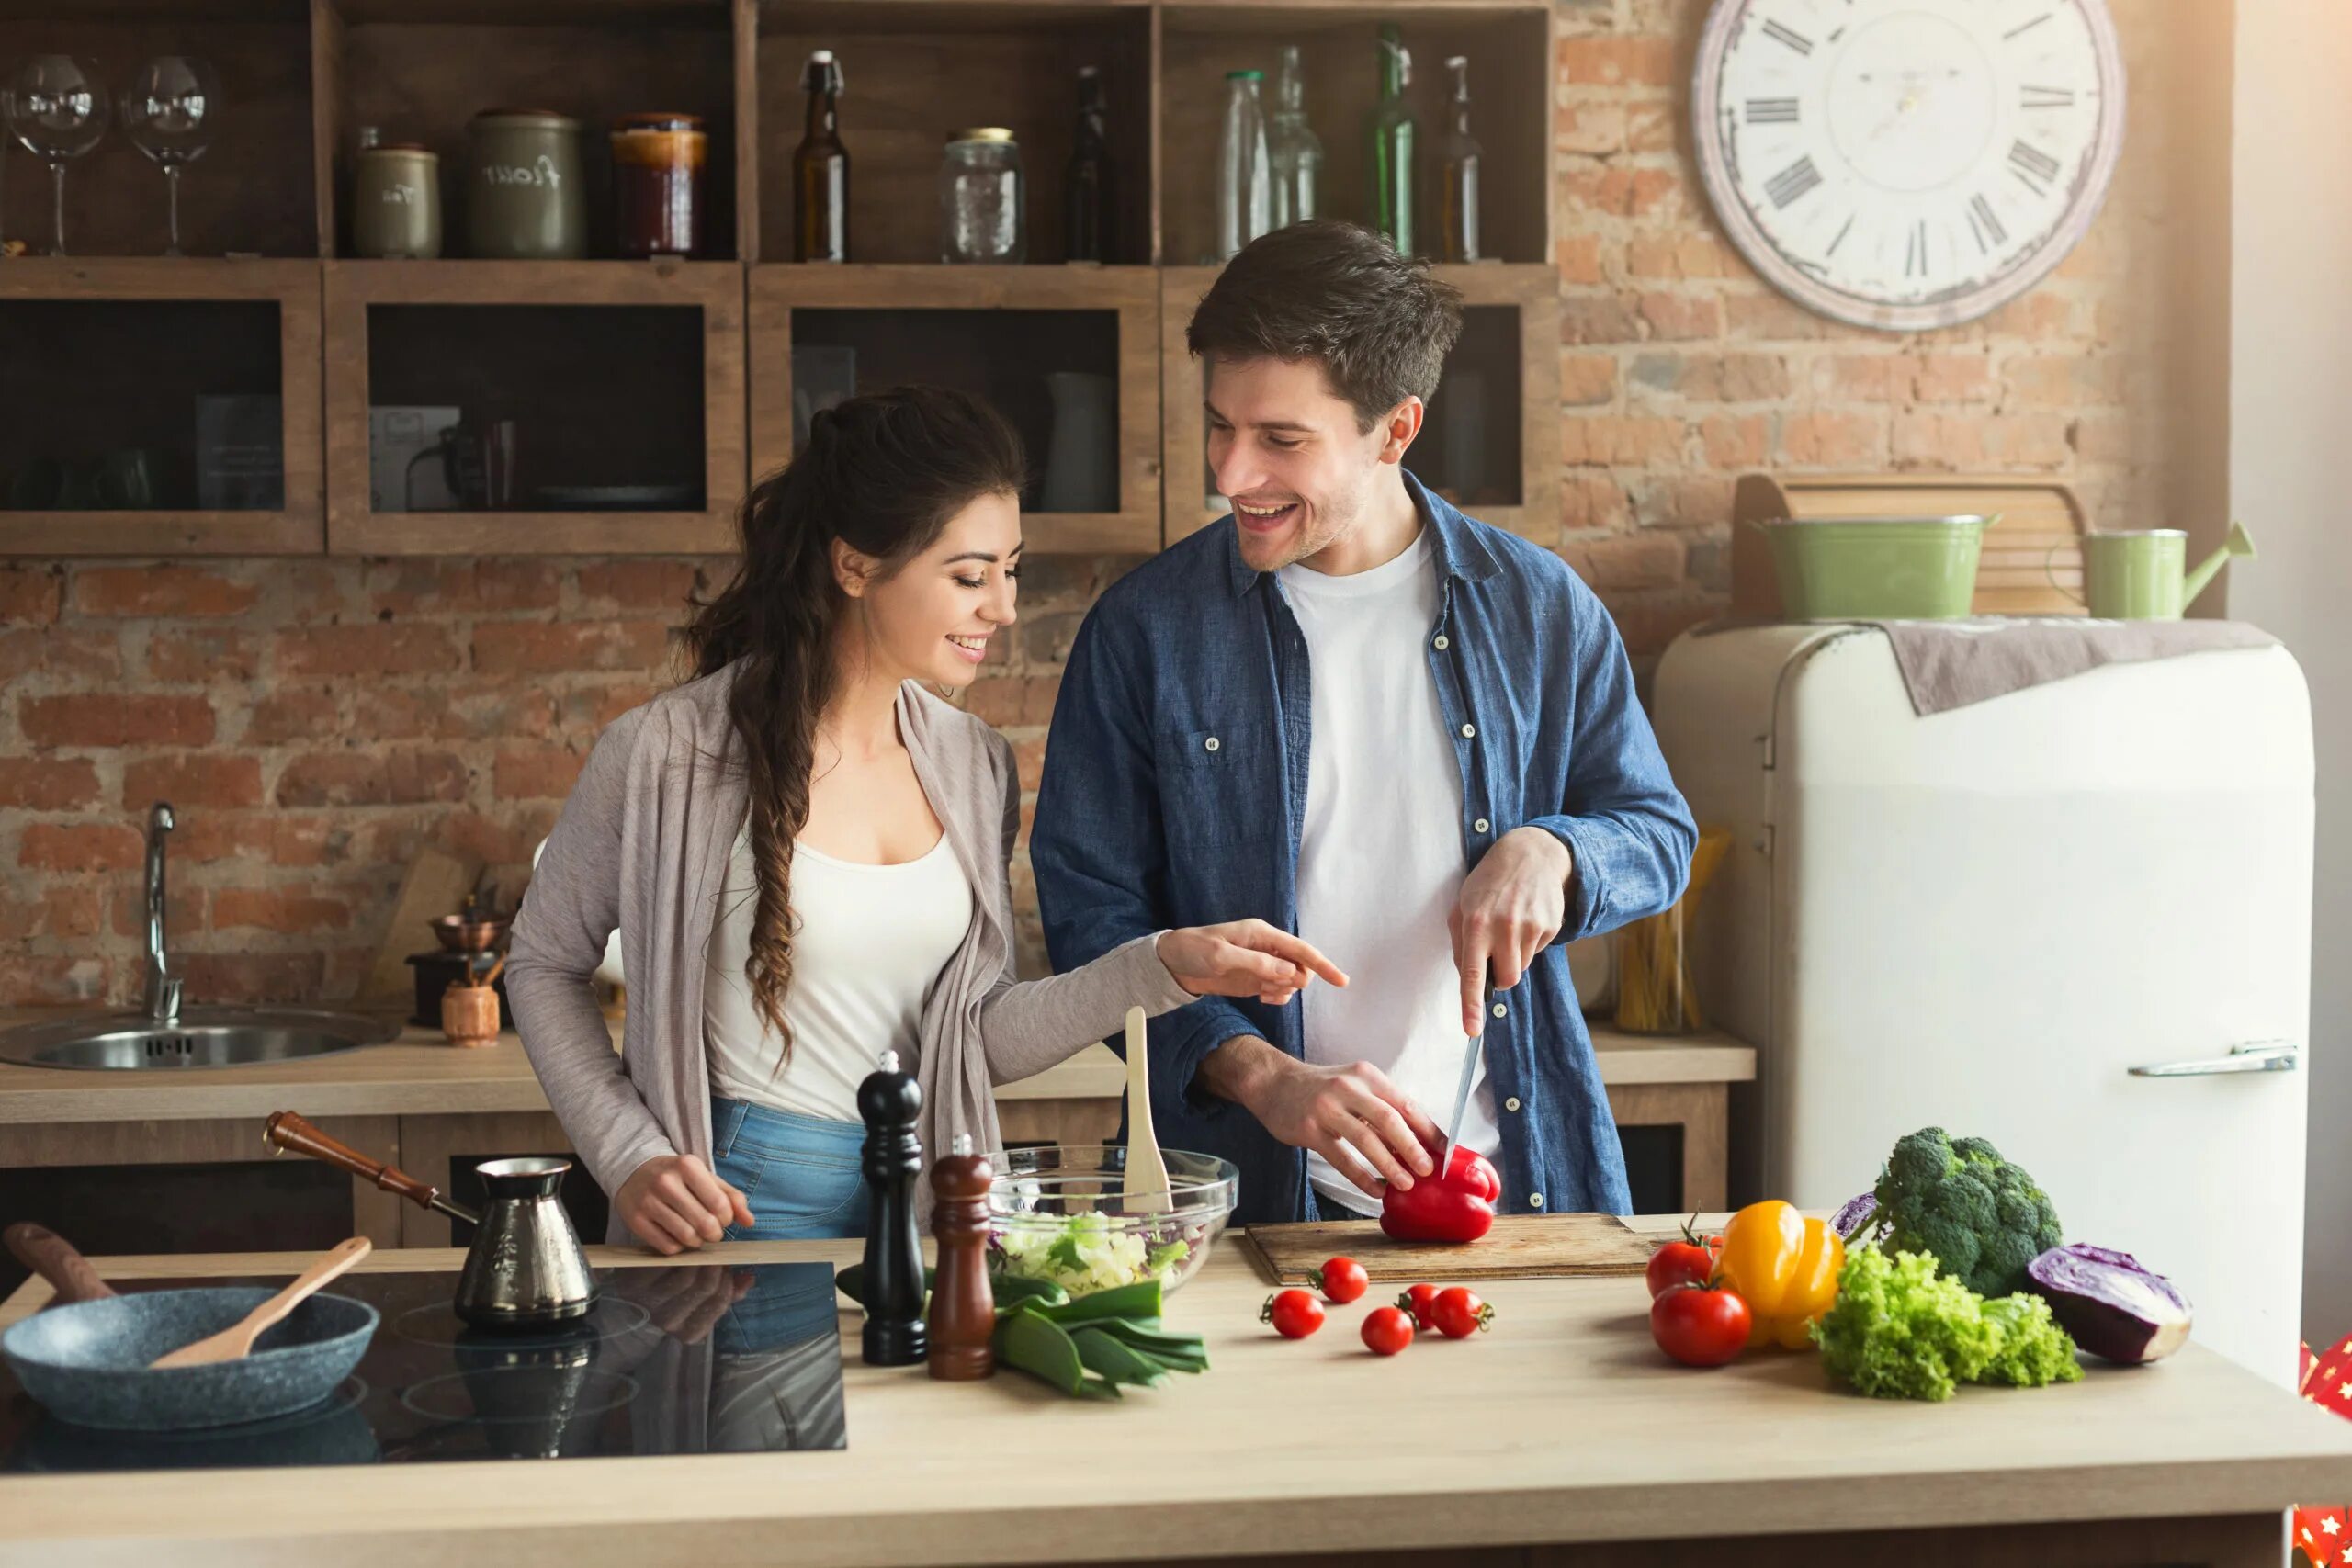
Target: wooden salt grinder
[[889, 1102], [963, 1306]]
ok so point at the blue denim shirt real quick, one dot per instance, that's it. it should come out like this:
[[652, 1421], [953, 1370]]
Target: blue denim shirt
[[1175, 784]]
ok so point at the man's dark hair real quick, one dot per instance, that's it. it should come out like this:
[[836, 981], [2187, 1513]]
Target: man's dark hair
[[1341, 296]]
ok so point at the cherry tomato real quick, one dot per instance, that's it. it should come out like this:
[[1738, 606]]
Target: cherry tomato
[[1459, 1312], [1386, 1330], [1343, 1279], [1700, 1325], [1691, 1261], [1294, 1314], [1419, 1302]]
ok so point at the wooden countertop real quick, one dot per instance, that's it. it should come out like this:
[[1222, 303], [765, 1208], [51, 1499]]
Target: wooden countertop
[[1562, 1425], [420, 1075]]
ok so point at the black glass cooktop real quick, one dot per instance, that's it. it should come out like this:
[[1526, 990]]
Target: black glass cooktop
[[698, 1358]]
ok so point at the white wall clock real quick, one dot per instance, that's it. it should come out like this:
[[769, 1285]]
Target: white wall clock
[[1907, 164]]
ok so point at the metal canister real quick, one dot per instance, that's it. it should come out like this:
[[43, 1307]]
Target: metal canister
[[396, 201], [523, 195]]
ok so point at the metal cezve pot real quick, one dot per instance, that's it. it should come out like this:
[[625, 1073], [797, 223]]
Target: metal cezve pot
[[526, 1268]]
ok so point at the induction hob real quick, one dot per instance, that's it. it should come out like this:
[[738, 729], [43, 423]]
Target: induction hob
[[703, 1358]]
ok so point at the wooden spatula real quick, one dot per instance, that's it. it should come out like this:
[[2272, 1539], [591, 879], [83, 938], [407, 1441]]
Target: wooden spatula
[[1145, 1189], [236, 1341]]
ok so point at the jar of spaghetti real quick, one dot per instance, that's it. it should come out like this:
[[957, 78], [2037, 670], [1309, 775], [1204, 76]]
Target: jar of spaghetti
[[658, 161]]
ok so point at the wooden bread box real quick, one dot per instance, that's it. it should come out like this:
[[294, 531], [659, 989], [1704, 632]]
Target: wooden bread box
[[2037, 537]]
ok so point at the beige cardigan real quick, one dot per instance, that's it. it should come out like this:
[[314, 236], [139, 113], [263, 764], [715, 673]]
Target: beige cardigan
[[642, 845]]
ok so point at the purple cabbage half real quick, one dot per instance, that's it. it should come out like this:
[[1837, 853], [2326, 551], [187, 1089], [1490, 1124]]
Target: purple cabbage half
[[1854, 1215], [2113, 1306]]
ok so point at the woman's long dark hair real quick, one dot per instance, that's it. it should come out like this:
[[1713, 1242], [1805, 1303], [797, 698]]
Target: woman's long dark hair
[[884, 474]]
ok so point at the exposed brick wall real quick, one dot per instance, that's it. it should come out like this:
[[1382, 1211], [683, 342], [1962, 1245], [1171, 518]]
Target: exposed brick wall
[[317, 722], [314, 723]]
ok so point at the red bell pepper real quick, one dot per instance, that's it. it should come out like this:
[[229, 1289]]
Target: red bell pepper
[[1458, 1205]]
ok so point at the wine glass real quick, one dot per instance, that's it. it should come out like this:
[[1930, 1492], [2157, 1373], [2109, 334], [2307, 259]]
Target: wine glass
[[57, 106], [169, 111]]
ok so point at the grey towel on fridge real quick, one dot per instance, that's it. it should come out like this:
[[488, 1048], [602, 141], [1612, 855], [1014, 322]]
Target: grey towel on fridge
[[1950, 664]]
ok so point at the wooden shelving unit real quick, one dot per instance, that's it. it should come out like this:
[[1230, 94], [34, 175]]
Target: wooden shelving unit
[[301, 76], [70, 327], [593, 402], [957, 324]]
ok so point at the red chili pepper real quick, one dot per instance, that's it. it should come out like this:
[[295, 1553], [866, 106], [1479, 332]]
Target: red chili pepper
[[1457, 1206]]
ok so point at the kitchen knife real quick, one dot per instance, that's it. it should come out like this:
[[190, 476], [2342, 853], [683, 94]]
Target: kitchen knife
[[1469, 1075]]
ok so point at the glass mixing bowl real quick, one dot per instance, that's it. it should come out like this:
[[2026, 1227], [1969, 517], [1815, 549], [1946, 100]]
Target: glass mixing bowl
[[1058, 1215]]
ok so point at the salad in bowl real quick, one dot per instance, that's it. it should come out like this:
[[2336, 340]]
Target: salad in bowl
[[1058, 1215]]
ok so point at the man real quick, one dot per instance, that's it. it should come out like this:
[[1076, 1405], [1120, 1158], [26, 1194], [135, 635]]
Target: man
[[1350, 710]]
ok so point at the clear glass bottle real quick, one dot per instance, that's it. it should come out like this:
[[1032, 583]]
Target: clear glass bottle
[[1292, 149], [1389, 130], [820, 168], [1458, 178], [981, 218], [1244, 177], [1088, 205]]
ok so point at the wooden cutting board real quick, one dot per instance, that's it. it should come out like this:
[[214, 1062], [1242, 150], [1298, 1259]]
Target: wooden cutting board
[[1520, 1247]]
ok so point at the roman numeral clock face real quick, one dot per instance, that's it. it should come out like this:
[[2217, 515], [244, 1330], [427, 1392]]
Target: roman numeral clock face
[[1907, 164]]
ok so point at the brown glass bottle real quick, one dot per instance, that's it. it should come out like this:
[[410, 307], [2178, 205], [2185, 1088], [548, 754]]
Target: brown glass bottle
[[820, 168], [1087, 197]]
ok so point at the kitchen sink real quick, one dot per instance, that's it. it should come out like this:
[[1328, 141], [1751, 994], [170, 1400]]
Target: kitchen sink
[[198, 1037]]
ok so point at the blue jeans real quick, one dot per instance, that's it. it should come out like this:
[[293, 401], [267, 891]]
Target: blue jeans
[[799, 1174]]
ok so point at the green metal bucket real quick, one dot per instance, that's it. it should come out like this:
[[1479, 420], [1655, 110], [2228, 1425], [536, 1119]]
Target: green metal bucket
[[1876, 569]]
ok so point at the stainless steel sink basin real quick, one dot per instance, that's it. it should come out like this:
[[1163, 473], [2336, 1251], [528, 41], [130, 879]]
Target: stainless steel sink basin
[[200, 1037]]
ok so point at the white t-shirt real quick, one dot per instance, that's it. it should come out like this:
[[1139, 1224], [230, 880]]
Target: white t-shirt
[[868, 942], [1380, 854]]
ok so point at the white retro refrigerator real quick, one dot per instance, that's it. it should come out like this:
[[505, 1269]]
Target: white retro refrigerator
[[2074, 919]]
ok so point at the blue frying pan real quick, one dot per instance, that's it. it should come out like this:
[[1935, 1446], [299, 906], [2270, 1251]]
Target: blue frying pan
[[86, 1360]]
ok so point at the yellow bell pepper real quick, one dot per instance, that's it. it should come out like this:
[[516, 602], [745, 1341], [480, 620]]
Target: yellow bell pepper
[[1785, 1267]]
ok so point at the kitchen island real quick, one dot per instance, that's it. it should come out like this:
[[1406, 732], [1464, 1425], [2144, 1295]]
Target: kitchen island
[[1560, 1437]]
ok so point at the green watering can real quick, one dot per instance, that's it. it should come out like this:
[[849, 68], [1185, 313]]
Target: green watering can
[[2142, 574]]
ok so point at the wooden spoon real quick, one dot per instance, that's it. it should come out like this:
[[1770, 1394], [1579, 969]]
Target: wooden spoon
[[1145, 1188], [236, 1341]]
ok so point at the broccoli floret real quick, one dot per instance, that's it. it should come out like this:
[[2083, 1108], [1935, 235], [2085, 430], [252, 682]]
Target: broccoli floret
[[1981, 1217]]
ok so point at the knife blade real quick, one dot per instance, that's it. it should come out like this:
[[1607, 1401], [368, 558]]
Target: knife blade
[[1462, 1090]]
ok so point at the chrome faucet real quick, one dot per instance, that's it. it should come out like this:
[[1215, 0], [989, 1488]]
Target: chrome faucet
[[163, 986]]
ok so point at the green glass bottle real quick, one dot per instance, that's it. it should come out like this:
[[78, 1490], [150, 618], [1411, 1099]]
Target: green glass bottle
[[1391, 133]]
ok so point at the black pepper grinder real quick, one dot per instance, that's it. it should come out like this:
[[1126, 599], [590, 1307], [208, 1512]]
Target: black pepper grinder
[[889, 1101]]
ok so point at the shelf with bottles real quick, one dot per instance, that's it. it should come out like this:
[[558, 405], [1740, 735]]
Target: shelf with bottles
[[1070, 355], [1490, 440], [914, 72], [539, 129], [158, 406], [220, 92], [546, 408], [1344, 67]]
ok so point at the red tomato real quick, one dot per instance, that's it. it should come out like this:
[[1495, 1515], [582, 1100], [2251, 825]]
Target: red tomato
[[1419, 1302], [1700, 1325], [1691, 1261], [1294, 1314], [1386, 1330], [1459, 1312], [1343, 1279]]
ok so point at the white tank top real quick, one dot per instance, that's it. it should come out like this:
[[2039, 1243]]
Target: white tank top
[[868, 943]]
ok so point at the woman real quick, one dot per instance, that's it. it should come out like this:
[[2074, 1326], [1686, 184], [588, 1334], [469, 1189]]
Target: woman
[[806, 854]]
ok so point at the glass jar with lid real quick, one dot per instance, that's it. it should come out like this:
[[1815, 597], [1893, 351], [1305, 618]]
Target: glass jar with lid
[[658, 184], [981, 218]]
